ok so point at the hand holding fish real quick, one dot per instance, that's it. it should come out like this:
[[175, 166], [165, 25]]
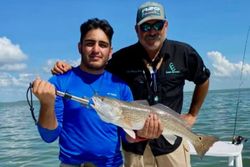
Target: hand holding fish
[[152, 128], [189, 118]]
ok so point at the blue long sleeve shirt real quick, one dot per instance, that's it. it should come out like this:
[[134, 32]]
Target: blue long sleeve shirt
[[83, 136]]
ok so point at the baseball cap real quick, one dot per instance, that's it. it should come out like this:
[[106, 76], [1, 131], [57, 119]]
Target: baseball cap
[[150, 11]]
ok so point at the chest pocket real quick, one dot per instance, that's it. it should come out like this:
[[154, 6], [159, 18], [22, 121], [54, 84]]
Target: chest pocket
[[170, 84]]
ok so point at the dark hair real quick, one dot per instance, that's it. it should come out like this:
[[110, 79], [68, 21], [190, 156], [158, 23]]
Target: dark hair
[[94, 24]]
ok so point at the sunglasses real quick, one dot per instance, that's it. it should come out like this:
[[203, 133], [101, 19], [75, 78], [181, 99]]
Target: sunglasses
[[145, 27]]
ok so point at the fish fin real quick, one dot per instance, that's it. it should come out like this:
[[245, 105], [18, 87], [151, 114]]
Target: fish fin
[[171, 111], [203, 144], [165, 108], [131, 133], [142, 102], [170, 138]]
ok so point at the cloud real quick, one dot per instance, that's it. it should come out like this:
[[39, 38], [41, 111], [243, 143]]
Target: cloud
[[13, 67], [224, 68], [8, 80], [10, 56]]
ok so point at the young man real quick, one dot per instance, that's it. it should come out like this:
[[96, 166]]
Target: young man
[[155, 69], [83, 137]]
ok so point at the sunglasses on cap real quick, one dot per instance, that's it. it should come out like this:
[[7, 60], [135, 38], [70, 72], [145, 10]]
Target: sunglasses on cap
[[145, 27]]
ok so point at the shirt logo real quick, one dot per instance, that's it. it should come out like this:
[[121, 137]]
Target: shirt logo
[[111, 94], [172, 69]]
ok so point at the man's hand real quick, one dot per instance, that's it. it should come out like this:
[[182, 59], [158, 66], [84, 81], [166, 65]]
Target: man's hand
[[152, 129], [189, 118], [44, 91], [60, 67], [46, 94]]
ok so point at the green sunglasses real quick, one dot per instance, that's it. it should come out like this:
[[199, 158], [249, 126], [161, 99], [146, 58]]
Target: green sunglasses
[[145, 27]]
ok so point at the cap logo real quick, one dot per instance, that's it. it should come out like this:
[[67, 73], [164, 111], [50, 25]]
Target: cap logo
[[152, 10]]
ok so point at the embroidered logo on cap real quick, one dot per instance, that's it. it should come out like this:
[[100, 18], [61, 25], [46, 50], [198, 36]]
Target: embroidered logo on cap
[[152, 10]]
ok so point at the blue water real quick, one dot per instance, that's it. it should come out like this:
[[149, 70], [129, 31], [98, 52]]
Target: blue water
[[21, 146]]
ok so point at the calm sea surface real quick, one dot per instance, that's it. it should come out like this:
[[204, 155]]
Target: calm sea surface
[[21, 146]]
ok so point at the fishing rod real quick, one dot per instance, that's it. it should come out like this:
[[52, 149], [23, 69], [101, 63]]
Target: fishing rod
[[72, 97], [240, 139], [58, 93]]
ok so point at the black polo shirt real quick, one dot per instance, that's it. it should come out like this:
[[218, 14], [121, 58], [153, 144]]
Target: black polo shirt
[[180, 62]]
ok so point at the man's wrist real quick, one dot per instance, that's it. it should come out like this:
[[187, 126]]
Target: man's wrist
[[136, 139], [139, 138]]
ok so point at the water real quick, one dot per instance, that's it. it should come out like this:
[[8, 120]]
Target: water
[[21, 146]]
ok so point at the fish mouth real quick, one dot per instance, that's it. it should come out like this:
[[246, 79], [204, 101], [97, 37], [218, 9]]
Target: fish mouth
[[97, 103], [94, 103], [94, 100]]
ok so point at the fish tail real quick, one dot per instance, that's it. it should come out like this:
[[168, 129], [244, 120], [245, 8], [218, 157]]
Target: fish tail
[[203, 143]]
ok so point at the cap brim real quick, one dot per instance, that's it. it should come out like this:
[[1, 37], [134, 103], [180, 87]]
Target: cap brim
[[150, 18]]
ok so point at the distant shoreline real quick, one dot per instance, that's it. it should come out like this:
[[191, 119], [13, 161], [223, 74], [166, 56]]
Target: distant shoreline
[[189, 91], [220, 90]]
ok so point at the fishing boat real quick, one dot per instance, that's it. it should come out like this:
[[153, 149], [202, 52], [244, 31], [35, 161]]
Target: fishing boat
[[224, 149]]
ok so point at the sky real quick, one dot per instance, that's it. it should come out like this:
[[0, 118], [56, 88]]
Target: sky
[[34, 34]]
